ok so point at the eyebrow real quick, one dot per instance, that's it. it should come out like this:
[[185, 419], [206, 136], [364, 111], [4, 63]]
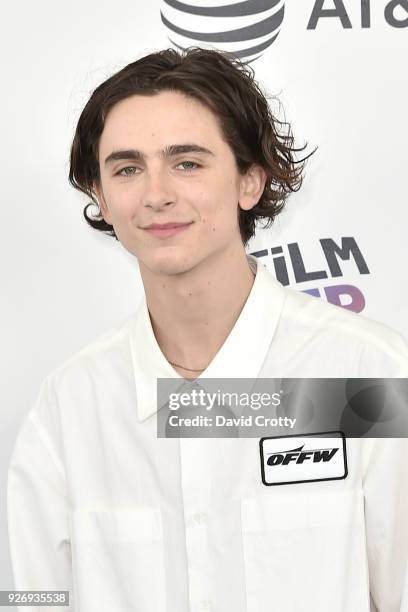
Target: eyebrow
[[169, 151]]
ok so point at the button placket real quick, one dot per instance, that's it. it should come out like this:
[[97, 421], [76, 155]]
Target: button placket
[[195, 478]]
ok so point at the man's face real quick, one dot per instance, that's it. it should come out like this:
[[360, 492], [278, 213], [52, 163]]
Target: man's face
[[171, 166]]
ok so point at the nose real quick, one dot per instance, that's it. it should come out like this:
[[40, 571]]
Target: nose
[[157, 189]]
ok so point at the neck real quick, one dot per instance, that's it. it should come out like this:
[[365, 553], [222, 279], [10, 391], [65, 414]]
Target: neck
[[193, 313]]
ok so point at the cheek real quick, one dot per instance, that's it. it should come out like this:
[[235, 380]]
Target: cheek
[[227, 203], [122, 202], [218, 215]]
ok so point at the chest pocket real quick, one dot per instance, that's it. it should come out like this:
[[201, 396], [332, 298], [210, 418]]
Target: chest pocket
[[118, 559], [305, 551]]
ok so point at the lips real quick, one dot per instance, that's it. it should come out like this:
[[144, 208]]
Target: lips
[[165, 230], [165, 225]]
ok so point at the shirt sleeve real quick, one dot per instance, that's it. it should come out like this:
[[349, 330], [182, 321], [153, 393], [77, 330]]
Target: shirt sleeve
[[37, 513], [386, 516]]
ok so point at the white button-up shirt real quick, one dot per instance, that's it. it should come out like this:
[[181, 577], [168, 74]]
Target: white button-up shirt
[[126, 521]]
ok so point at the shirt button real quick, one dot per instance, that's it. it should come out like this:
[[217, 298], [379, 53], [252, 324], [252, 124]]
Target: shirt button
[[199, 518], [206, 604]]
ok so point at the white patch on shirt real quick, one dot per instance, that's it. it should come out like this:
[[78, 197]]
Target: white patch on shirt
[[303, 458]]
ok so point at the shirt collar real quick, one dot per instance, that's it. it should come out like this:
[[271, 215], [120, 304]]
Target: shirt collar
[[241, 355]]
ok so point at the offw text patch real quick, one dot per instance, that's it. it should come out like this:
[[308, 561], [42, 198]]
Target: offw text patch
[[303, 458]]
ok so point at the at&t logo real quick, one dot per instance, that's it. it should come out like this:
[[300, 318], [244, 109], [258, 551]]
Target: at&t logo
[[244, 28]]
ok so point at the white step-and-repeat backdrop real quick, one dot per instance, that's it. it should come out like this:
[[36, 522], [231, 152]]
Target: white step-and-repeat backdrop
[[339, 70]]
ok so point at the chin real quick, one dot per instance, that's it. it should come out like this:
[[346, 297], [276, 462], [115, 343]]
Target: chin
[[169, 263]]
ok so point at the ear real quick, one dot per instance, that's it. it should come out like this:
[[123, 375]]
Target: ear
[[251, 187], [97, 190]]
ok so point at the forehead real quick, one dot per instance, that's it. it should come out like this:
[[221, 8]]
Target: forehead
[[150, 122]]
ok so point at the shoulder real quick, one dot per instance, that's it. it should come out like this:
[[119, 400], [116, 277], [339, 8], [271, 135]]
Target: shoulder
[[378, 346], [68, 392], [95, 359]]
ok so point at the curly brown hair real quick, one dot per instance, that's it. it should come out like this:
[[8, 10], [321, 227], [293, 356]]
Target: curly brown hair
[[224, 85]]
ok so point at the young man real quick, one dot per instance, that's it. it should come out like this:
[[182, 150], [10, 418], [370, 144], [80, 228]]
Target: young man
[[182, 155]]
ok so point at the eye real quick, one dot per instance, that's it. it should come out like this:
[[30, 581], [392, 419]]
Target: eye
[[124, 171], [190, 165]]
